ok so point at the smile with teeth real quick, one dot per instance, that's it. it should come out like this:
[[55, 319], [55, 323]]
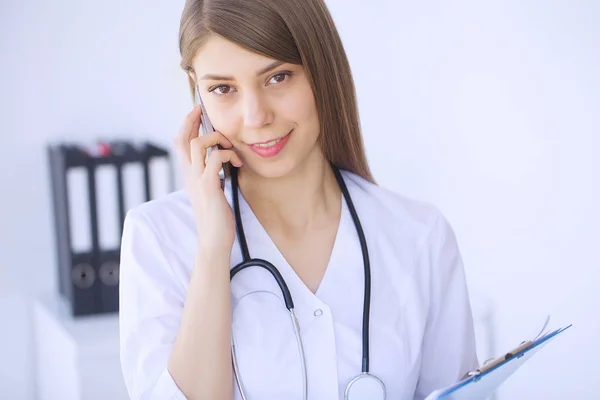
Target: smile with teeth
[[272, 147], [268, 144]]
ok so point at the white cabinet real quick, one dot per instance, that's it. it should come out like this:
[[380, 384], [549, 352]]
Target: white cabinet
[[76, 358]]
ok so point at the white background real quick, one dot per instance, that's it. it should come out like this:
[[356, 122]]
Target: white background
[[488, 109]]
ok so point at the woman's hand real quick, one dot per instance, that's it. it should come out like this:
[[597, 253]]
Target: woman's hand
[[214, 217]]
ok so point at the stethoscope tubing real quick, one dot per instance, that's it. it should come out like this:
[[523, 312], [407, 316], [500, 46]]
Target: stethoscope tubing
[[247, 261]]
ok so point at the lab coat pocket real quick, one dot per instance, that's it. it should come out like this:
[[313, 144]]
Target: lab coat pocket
[[266, 349]]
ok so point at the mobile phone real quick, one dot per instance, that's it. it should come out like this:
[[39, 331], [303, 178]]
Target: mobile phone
[[206, 126]]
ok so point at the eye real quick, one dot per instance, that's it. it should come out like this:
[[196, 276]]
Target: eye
[[280, 77], [221, 89]]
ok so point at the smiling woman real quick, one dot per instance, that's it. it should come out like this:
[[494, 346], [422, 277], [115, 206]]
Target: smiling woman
[[299, 34], [298, 203], [265, 108]]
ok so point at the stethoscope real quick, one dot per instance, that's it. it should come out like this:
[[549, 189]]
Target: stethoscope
[[363, 386]]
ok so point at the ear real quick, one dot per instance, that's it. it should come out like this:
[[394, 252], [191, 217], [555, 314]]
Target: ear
[[192, 76], [193, 85]]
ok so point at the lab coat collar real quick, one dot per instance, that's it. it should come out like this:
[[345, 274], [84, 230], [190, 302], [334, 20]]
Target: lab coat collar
[[260, 245]]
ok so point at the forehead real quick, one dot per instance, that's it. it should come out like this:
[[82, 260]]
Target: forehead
[[219, 55]]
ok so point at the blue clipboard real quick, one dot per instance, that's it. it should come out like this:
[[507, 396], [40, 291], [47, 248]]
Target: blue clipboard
[[483, 382]]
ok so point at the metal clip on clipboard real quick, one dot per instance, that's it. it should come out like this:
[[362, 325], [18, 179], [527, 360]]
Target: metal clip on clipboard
[[519, 351], [484, 381]]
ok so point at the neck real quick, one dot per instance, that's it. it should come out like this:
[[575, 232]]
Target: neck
[[305, 198]]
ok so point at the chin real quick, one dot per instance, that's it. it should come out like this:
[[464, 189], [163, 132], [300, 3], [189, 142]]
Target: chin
[[271, 169]]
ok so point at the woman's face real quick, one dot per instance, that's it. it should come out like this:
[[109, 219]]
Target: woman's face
[[264, 107]]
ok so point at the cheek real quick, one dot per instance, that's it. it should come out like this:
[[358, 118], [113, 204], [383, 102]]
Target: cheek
[[226, 122], [302, 109], [310, 108]]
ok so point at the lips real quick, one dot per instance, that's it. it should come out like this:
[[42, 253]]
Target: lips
[[270, 148], [267, 144]]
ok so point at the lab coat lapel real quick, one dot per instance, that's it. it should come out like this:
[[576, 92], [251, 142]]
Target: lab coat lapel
[[346, 249], [252, 279], [261, 245], [267, 352], [278, 359]]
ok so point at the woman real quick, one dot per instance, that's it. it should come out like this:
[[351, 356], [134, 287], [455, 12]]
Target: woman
[[276, 83]]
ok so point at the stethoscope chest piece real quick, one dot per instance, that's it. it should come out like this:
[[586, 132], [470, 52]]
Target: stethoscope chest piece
[[365, 387]]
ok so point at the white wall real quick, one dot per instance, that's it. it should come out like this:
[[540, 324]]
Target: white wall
[[491, 111], [487, 109]]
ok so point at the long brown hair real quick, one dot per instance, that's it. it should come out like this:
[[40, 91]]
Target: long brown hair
[[294, 31]]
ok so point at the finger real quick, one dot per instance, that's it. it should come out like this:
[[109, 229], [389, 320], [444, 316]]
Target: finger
[[188, 131], [191, 124], [197, 155], [201, 144], [215, 138], [218, 158], [210, 140]]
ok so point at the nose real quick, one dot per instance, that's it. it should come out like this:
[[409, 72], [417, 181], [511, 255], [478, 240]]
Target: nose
[[256, 111]]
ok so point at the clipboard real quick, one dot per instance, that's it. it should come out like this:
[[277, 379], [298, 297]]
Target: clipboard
[[481, 383]]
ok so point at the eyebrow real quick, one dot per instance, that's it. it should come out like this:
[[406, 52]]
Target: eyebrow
[[266, 69]]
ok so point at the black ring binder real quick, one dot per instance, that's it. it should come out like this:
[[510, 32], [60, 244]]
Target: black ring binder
[[89, 278]]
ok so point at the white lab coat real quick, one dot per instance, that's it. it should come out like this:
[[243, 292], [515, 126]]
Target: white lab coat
[[421, 329]]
